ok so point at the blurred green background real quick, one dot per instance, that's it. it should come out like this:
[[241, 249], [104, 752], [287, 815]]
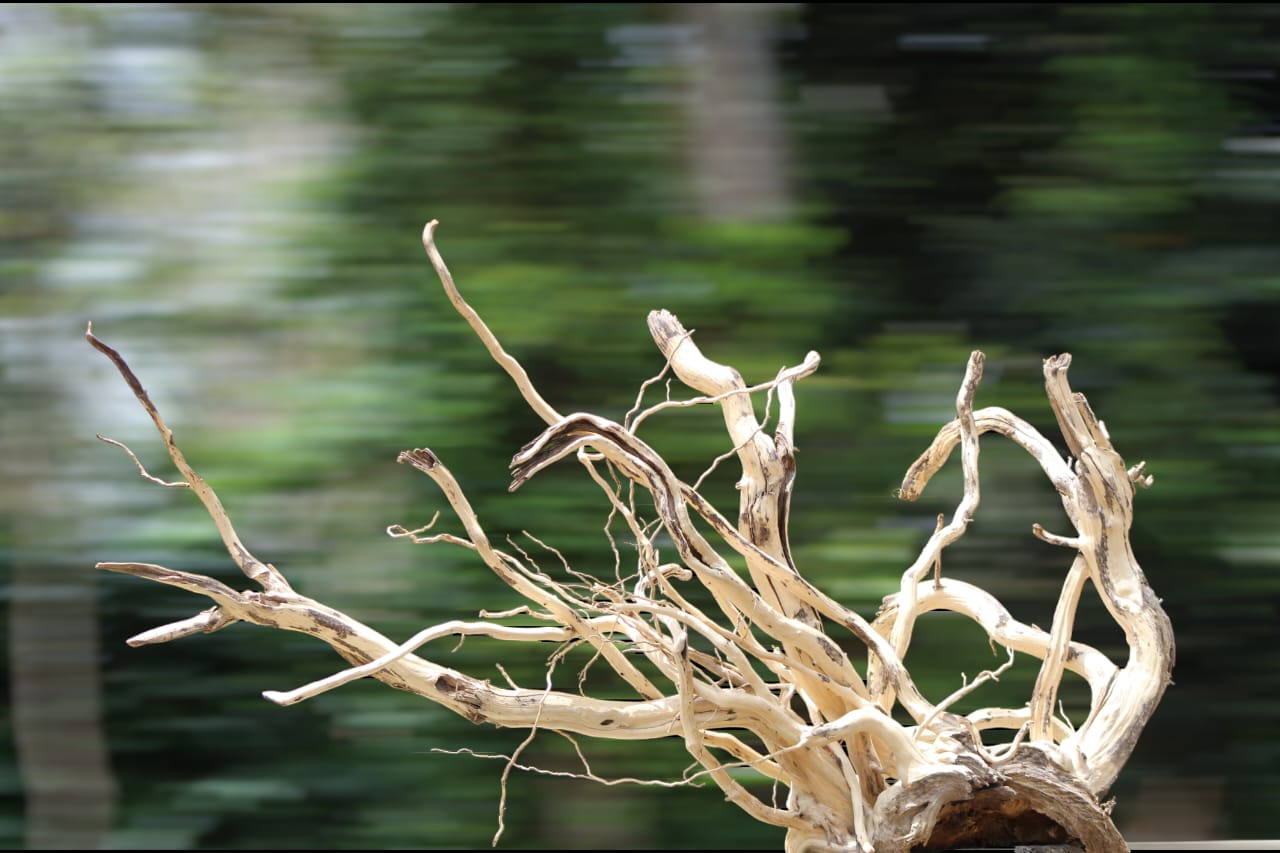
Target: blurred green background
[[234, 195]]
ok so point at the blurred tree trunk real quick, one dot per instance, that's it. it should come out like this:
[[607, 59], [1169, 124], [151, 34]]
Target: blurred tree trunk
[[55, 681], [57, 709], [738, 153], [55, 688]]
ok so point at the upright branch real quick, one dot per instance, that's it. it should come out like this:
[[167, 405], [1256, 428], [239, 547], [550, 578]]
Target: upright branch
[[753, 679]]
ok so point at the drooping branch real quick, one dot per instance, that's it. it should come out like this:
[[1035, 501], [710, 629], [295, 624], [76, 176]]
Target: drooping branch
[[753, 679]]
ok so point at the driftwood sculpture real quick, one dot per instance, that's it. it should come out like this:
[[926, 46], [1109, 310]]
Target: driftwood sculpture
[[757, 679]]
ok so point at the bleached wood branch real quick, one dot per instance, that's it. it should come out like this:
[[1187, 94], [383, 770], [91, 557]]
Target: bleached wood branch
[[944, 534], [725, 678], [252, 567]]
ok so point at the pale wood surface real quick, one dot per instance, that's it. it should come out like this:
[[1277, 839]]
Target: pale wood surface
[[852, 777]]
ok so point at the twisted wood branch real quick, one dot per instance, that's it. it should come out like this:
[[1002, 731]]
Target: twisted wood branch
[[727, 682]]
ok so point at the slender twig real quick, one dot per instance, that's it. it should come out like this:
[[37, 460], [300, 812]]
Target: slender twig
[[253, 568], [141, 469], [504, 359]]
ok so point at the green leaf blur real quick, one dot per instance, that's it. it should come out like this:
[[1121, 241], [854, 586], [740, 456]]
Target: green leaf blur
[[234, 195]]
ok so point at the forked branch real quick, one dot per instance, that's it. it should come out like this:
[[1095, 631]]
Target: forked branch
[[755, 680]]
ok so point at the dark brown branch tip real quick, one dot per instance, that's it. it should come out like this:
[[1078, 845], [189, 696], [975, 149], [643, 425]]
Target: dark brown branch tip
[[420, 458], [127, 372]]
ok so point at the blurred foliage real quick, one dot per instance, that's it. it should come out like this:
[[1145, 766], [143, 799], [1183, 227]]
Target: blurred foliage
[[234, 194]]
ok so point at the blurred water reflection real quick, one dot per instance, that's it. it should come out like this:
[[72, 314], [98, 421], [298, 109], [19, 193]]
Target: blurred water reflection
[[233, 195]]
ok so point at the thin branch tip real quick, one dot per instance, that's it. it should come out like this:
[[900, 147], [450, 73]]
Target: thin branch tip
[[1055, 539]]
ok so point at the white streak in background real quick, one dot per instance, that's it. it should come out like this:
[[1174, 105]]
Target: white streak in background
[[654, 45], [148, 81], [1253, 145]]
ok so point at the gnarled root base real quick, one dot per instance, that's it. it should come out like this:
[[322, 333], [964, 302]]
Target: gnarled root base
[[995, 817], [977, 803], [1034, 802]]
